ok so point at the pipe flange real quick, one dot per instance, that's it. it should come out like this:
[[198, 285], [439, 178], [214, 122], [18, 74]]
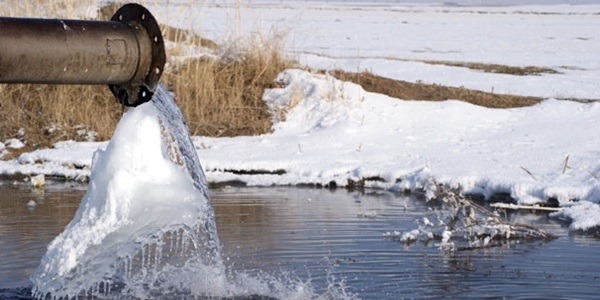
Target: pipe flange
[[144, 82]]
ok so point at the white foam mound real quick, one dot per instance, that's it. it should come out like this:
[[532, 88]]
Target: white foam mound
[[144, 213]]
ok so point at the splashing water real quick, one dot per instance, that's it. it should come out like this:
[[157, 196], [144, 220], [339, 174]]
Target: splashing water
[[145, 227], [146, 213]]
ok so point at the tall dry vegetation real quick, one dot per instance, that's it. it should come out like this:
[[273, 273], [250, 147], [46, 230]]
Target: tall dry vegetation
[[224, 97], [432, 92], [219, 95], [44, 114]]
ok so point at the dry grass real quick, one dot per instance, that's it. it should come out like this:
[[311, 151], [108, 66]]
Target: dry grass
[[496, 68], [224, 97], [432, 92], [45, 114], [478, 66]]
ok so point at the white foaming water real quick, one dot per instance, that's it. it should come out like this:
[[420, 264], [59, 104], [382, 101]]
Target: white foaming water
[[145, 227], [146, 212]]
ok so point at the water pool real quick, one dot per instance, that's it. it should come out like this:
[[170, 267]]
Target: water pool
[[332, 241]]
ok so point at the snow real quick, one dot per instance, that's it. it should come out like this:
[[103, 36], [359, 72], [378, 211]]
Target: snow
[[326, 131], [356, 135], [393, 39], [583, 215], [12, 143]]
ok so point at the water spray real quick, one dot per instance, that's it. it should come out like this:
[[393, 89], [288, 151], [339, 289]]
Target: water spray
[[127, 52]]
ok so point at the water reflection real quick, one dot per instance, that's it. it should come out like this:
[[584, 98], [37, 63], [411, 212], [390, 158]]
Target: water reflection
[[26, 230], [333, 237]]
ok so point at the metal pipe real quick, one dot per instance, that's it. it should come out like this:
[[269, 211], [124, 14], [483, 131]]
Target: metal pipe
[[127, 53]]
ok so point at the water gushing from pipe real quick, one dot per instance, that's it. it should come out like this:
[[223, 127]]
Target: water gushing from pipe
[[146, 217]]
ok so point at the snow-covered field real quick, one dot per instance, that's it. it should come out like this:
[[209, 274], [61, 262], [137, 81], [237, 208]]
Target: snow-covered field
[[334, 131]]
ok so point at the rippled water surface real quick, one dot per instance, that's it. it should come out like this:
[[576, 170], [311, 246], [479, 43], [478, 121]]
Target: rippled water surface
[[330, 238]]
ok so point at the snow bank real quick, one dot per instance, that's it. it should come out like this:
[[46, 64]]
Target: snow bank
[[583, 215], [405, 144]]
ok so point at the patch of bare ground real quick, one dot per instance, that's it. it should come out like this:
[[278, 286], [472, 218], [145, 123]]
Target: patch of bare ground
[[479, 66], [496, 68], [431, 92]]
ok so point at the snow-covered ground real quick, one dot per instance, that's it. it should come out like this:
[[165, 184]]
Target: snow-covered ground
[[334, 131]]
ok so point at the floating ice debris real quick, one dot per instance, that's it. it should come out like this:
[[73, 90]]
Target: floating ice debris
[[38, 181], [464, 225], [368, 215], [527, 207]]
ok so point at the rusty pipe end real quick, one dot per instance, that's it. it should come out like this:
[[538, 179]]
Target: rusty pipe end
[[151, 60]]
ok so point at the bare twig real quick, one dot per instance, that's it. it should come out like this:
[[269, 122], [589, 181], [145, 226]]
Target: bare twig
[[532, 207], [566, 164], [528, 172]]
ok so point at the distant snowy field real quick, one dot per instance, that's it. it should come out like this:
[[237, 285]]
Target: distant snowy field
[[338, 133], [391, 39]]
